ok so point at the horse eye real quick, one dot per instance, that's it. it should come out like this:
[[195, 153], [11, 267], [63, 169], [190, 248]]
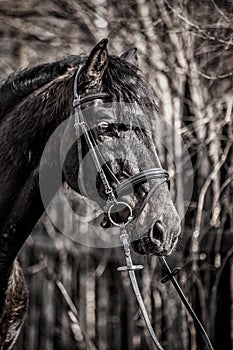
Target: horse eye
[[103, 126]]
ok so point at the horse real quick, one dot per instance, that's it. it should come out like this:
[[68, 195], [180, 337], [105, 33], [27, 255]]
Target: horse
[[33, 104]]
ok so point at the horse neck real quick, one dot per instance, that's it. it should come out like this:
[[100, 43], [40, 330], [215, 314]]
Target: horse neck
[[24, 134]]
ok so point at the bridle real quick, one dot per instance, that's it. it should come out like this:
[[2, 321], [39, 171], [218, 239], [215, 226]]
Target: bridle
[[158, 175]]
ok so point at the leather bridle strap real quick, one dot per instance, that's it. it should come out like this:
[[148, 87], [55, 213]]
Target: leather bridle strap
[[149, 195], [80, 123], [170, 276], [131, 271], [89, 98], [144, 176]]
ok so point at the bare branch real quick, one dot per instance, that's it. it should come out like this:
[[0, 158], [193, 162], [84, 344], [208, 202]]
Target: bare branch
[[216, 77], [74, 316], [205, 188], [203, 32], [220, 11]]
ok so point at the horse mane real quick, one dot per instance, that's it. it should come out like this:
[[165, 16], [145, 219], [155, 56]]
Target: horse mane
[[122, 80], [125, 82], [20, 85]]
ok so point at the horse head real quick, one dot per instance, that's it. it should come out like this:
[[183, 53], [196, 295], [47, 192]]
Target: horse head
[[120, 113]]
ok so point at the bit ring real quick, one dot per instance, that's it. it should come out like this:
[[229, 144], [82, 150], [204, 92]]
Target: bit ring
[[130, 217]]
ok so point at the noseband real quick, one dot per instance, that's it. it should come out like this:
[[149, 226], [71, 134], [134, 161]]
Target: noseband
[[159, 176]]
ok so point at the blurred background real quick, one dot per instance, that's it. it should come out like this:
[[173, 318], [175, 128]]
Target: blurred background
[[77, 298]]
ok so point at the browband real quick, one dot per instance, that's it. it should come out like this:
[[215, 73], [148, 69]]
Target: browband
[[79, 101]]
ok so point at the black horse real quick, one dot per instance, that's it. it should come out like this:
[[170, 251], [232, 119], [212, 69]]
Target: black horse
[[33, 103]]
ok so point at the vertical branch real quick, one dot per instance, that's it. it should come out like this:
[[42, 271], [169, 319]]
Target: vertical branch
[[78, 331], [206, 186], [91, 301]]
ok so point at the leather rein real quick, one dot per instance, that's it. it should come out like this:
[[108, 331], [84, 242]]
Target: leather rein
[[159, 176]]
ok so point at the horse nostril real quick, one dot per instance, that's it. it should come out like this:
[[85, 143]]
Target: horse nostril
[[158, 231]]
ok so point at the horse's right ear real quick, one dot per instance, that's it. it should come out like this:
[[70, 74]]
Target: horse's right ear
[[130, 56], [97, 62]]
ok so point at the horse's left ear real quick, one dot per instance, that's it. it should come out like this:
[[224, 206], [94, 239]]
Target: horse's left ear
[[97, 61], [130, 56]]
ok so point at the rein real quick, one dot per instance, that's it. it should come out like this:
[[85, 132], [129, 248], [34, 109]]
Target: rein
[[159, 175]]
